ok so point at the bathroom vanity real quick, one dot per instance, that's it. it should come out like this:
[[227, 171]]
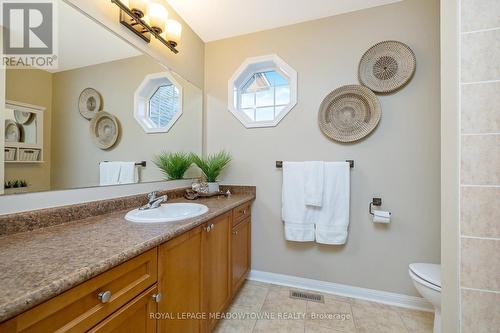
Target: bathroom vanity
[[105, 274]]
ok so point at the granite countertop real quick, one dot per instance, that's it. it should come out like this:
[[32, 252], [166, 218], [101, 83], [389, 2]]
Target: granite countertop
[[38, 265]]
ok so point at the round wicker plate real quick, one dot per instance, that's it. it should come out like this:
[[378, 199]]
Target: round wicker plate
[[89, 103], [349, 113], [387, 66], [12, 131], [104, 130]]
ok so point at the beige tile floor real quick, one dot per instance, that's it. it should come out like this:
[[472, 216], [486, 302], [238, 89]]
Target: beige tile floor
[[263, 308]]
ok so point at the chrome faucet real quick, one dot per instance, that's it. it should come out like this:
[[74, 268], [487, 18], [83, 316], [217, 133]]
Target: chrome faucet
[[153, 201]]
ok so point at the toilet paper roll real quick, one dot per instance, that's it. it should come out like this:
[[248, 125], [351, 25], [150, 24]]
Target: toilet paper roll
[[381, 213], [380, 216], [379, 219]]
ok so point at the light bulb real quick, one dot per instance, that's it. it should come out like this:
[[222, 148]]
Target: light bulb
[[174, 31], [158, 15]]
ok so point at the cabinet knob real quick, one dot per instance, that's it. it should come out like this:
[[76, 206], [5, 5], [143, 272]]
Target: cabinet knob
[[235, 232], [209, 227], [157, 297], [104, 296]]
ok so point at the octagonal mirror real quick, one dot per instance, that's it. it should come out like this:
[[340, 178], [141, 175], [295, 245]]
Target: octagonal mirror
[[158, 103]]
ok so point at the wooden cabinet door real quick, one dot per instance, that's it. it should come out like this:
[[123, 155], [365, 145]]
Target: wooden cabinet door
[[179, 283], [134, 317], [240, 253], [217, 281]]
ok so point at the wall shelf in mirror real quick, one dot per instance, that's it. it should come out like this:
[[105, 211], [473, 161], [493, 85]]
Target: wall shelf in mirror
[[29, 146]]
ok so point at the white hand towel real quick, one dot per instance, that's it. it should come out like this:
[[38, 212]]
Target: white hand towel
[[128, 173], [313, 183], [332, 219], [109, 173], [294, 212]]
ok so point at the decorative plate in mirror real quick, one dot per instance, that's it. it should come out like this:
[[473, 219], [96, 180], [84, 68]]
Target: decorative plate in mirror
[[89, 103]]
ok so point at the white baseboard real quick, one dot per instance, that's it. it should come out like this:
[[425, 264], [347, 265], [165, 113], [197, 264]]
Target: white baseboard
[[410, 302]]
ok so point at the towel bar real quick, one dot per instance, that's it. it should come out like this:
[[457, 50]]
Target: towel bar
[[141, 163], [279, 164]]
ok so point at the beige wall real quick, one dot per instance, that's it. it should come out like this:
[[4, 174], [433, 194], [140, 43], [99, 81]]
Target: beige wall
[[399, 162], [75, 159], [32, 86], [449, 166], [480, 166]]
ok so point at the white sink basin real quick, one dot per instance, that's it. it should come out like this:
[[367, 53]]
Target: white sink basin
[[170, 212]]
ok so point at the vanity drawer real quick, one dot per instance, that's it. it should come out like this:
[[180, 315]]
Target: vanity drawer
[[240, 213], [133, 317], [82, 307]]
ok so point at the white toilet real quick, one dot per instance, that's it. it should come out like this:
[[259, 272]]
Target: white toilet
[[427, 280]]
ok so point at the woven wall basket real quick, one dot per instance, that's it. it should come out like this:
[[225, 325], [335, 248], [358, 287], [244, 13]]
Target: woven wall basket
[[349, 113], [387, 66], [89, 103], [104, 130]]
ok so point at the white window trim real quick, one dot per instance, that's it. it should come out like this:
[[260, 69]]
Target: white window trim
[[141, 102], [244, 72]]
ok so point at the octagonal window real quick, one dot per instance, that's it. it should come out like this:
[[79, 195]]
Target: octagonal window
[[158, 103], [163, 105], [262, 91]]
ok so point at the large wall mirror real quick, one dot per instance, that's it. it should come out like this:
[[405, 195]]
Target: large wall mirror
[[106, 102]]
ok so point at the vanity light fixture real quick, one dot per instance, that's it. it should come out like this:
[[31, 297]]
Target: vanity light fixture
[[138, 7], [145, 19]]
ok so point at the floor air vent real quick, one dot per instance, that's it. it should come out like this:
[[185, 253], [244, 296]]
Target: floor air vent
[[307, 296]]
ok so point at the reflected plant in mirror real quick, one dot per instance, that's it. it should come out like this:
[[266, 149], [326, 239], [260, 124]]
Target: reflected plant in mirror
[[173, 165], [211, 167], [49, 144], [17, 183]]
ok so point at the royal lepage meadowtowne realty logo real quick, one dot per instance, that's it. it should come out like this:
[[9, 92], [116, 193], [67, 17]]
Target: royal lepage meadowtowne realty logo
[[29, 34]]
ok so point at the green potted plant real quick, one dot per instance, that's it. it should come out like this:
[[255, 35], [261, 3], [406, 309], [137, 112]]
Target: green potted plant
[[211, 167], [173, 165]]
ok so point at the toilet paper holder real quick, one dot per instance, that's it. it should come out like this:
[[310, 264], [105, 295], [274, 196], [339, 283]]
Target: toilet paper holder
[[375, 202]]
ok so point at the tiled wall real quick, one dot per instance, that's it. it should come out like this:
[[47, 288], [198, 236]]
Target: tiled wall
[[480, 166]]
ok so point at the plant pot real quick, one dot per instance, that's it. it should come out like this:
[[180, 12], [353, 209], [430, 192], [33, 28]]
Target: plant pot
[[213, 187]]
